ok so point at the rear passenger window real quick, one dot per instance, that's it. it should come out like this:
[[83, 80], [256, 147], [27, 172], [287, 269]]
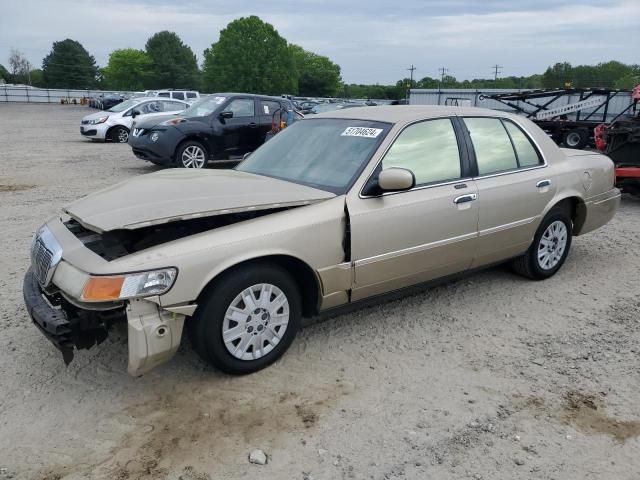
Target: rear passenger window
[[527, 153], [191, 95], [178, 95], [269, 108], [429, 149], [492, 145], [163, 94]]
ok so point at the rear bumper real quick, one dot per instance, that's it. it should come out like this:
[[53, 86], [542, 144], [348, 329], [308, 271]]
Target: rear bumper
[[600, 209]]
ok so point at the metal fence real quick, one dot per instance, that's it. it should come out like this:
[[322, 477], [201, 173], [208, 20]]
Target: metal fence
[[20, 93], [474, 98]]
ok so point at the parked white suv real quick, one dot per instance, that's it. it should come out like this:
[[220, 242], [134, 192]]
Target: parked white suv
[[115, 124], [187, 95]]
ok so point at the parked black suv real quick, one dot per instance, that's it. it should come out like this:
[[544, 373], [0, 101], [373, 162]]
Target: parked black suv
[[218, 127]]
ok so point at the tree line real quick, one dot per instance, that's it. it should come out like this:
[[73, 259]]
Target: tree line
[[251, 56]]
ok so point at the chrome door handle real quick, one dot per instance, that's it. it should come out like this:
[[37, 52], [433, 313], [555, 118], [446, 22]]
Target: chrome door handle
[[543, 183], [465, 198]]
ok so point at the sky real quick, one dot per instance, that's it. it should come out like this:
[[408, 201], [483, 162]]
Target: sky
[[373, 41]]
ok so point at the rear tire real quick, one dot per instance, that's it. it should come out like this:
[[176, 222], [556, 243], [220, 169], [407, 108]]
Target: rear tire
[[549, 248], [575, 138], [247, 319]]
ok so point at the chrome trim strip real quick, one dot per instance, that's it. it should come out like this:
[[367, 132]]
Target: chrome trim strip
[[506, 226], [608, 199], [417, 248]]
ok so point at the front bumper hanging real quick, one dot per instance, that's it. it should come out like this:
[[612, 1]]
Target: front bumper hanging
[[67, 327]]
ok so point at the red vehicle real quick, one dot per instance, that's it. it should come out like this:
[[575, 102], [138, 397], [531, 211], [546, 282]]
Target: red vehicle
[[620, 140]]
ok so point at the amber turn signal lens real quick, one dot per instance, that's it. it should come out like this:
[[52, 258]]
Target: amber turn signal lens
[[99, 289]]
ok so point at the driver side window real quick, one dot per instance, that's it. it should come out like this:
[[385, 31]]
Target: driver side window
[[242, 107], [429, 149]]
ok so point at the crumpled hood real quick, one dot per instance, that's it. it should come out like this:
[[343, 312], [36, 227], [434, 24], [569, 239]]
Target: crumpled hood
[[177, 194]]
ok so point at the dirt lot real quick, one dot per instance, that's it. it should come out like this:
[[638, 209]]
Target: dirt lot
[[491, 377]]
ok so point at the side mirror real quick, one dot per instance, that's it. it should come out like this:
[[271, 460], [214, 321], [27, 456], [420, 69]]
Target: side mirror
[[396, 179], [135, 113], [226, 114]]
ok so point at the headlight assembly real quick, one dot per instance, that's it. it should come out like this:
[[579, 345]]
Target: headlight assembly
[[99, 120], [121, 287]]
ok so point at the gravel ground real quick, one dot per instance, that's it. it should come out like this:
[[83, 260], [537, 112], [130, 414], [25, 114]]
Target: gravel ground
[[490, 377]]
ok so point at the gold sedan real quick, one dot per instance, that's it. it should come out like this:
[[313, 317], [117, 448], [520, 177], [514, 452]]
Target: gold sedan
[[334, 210]]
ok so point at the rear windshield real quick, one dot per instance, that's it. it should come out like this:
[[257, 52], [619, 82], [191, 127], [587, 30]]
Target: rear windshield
[[325, 153]]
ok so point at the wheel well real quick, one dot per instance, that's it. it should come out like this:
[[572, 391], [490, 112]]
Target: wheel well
[[576, 209], [302, 274], [108, 134]]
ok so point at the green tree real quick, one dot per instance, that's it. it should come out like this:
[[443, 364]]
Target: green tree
[[249, 56], [317, 75], [558, 76], [128, 69], [174, 64], [5, 75], [69, 65], [37, 77]]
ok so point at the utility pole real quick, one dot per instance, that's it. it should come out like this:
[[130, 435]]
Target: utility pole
[[443, 71], [496, 71], [406, 96]]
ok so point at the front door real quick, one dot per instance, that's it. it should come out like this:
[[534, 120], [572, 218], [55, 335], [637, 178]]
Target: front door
[[240, 132], [514, 187], [403, 238]]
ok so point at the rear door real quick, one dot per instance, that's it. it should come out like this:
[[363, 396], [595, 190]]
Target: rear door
[[269, 108], [403, 238], [240, 133], [514, 187]]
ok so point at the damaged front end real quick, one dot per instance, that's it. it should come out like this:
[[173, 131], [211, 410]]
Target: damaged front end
[[153, 333], [65, 325]]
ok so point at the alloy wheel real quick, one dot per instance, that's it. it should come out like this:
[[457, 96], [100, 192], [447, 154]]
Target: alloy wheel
[[193, 157], [123, 135]]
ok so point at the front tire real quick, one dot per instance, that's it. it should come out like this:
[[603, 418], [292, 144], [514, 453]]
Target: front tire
[[248, 319], [191, 154], [550, 246], [119, 134]]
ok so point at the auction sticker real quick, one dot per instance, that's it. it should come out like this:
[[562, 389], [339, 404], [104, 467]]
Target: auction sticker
[[365, 132]]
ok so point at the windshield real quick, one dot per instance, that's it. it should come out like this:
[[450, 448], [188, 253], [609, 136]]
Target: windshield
[[326, 153], [203, 107], [121, 107]]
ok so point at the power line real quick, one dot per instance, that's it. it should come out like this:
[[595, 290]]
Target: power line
[[496, 70], [443, 71]]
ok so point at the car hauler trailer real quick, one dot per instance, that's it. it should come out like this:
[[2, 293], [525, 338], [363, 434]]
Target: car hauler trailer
[[618, 137], [567, 124], [620, 140]]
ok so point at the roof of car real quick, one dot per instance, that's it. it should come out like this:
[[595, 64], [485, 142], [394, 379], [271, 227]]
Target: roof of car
[[406, 113], [255, 95]]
